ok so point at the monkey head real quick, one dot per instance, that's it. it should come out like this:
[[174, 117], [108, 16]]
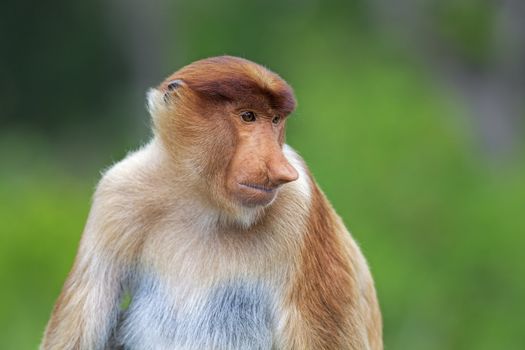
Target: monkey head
[[222, 120]]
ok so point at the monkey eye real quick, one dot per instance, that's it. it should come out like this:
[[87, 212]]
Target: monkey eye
[[276, 120], [248, 116]]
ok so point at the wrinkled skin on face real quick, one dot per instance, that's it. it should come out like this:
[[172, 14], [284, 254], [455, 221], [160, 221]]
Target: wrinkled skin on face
[[228, 122], [258, 166]]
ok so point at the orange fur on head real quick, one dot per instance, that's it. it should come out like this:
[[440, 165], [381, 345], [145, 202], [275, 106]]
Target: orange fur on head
[[231, 79], [205, 99]]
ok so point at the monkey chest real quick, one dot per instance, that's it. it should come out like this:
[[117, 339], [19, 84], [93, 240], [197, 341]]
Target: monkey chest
[[229, 315]]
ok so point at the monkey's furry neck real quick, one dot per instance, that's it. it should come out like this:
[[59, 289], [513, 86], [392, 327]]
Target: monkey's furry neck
[[193, 191]]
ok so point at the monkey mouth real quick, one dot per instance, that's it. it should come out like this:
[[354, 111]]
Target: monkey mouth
[[253, 195], [258, 187]]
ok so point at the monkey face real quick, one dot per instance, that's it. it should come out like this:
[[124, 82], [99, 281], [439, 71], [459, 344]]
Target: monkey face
[[237, 149], [258, 166], [226, 118]]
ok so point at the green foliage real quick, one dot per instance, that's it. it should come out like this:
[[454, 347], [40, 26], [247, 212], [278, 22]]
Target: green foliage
[[468, 28], [42, 212]]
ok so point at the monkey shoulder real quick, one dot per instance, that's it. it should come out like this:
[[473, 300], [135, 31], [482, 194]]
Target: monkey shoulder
[[124, 199]]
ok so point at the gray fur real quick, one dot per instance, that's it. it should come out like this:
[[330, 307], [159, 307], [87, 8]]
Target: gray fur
[[233, 315]]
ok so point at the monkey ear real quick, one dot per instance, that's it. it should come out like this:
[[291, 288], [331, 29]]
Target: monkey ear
[[164, 94], [174, 84], [170, 89]]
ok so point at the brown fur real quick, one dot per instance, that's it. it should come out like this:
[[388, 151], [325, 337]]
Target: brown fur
[[233, 79], [332, 294], [179, 208], [324, 289]]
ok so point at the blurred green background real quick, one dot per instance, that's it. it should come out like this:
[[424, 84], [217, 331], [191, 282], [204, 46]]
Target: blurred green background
[[410, 116]]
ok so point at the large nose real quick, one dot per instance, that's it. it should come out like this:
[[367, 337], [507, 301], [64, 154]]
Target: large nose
[[280, 171]]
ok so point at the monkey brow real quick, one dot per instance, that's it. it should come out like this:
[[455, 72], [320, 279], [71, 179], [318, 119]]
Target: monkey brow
[[244, 91]]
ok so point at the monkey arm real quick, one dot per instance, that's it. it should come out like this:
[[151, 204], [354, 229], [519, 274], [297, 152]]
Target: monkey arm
[[332, 294], [86, 311]]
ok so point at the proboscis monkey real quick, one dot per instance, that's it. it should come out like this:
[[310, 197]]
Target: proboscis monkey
[[216, 232]]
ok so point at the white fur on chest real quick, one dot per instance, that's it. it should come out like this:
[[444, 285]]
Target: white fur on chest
[[212, 291]]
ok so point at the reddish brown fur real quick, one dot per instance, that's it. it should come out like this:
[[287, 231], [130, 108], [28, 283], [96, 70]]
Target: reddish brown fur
[[324, 289], [333, 291], [233, 79]]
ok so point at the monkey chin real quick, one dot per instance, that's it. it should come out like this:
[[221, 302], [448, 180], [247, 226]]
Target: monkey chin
[[252, 195]]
